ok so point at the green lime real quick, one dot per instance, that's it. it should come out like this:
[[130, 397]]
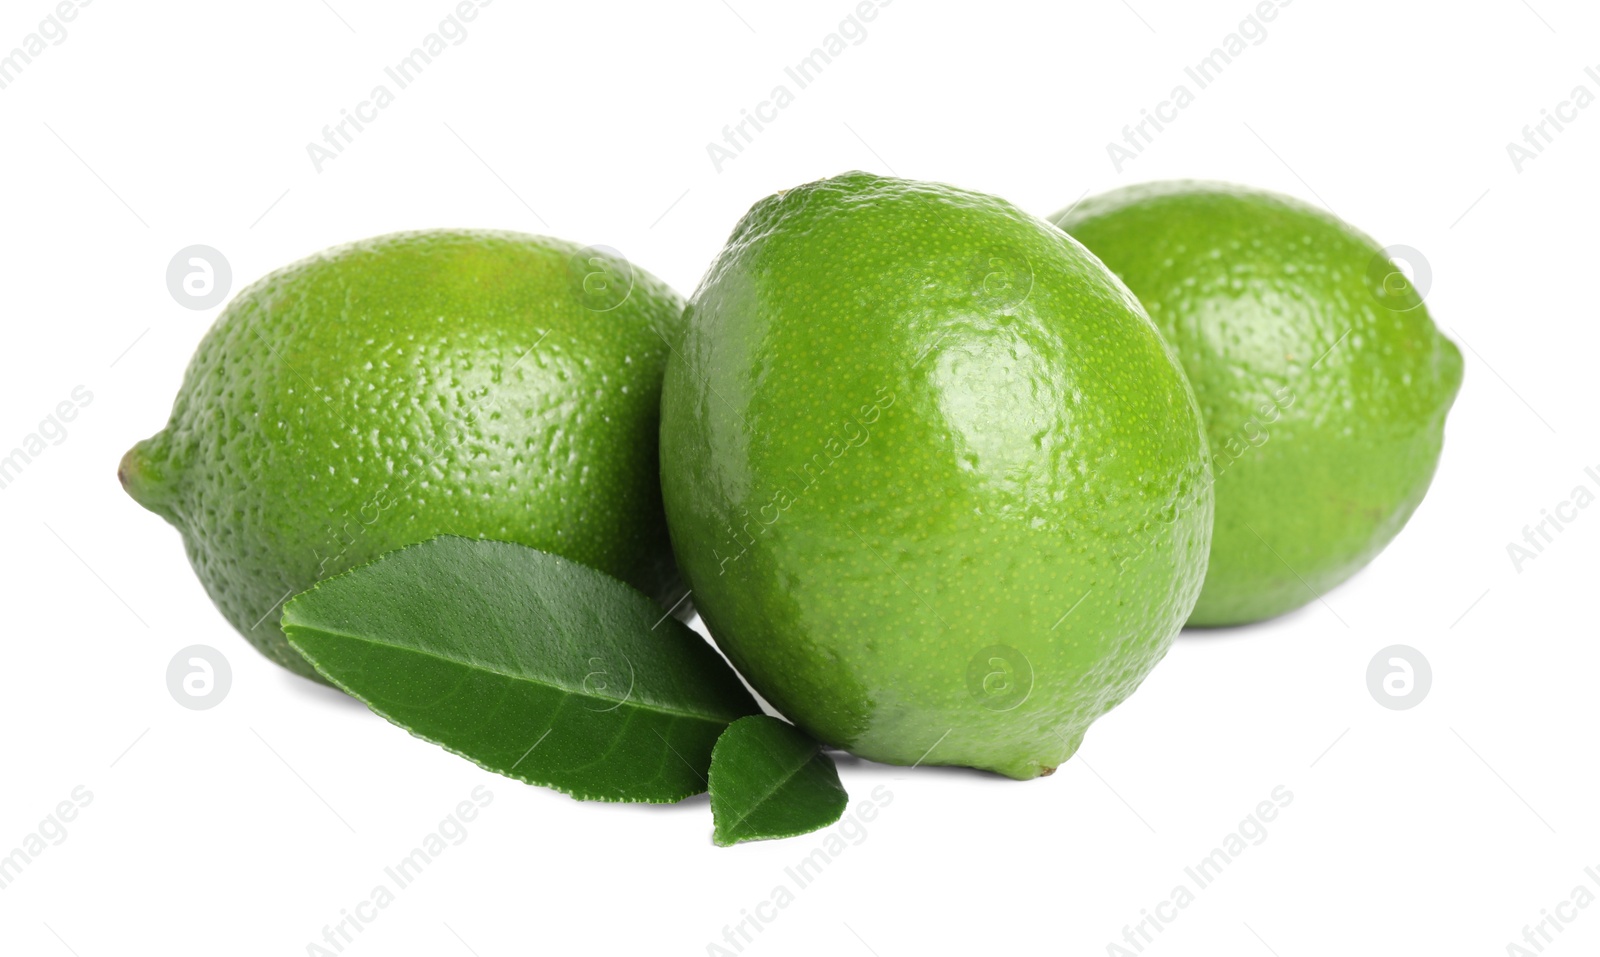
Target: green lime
[[939, 486], [482, 384], [1323, 381]]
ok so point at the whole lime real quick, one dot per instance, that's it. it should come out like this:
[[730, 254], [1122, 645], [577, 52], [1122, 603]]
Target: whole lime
[[1323, 381], [939, 487], [482, 384]]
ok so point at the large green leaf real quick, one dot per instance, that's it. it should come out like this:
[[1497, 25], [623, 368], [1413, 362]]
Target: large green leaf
[[531, 665], [769, 779]]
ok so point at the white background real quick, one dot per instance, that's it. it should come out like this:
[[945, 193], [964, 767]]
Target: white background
[[247, 828]]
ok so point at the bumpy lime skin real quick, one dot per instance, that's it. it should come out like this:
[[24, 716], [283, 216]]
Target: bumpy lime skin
[[482, 384], [940, 489], [1323, 381]]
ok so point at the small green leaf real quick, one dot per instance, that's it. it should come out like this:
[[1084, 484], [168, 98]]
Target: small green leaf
[[526, 663], [769, 779]]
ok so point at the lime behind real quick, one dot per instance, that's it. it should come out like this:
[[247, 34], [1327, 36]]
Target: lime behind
[[1323, 381], [482, 384], [938, 485]]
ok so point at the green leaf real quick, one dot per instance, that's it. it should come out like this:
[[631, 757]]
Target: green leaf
[[526, 663], [769, 779]]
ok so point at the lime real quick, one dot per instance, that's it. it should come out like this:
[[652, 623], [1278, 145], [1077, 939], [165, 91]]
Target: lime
[[1323, 381], [939, 486], [482, 384]]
